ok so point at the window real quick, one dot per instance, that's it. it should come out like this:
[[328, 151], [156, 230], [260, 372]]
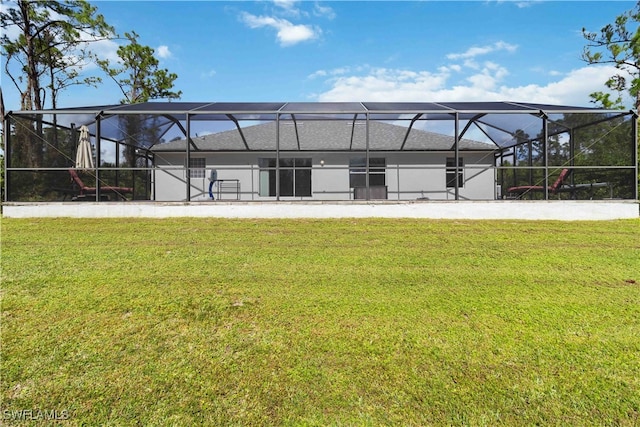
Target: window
[[295, 177], [452, 172], [197, 166], [358, 172]]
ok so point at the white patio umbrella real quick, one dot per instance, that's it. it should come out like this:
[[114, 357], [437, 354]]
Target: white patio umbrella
[[84, 156]]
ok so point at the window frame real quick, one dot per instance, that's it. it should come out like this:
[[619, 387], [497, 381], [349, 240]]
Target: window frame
[[452, 171], [358, 172], [295, 176], [197, 170]]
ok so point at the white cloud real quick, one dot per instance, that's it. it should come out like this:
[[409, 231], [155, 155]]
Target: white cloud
[[489, 77], [483, 50], [338, 71], [453, 67], [470, 63], [526, 3], [572, 89], [163, 52], [103, 49], [519, 3], [106, 48], [287, 34], [380, 84], [319, 73], [324, 11], [288, 8], [285, 4]]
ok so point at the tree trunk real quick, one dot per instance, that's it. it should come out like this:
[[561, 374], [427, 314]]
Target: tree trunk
[[30, 99]]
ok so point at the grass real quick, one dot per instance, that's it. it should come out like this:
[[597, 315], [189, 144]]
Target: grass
[[320, 322]]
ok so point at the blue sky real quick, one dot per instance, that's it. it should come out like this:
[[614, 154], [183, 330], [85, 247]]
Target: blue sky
[[360, 50]]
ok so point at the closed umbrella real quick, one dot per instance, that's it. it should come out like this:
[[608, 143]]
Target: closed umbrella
[[84, 156]]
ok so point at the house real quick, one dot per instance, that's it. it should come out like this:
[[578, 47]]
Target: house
[[324, 151], [324, 159]]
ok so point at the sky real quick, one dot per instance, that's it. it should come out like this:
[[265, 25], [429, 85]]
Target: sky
[[426, 51]]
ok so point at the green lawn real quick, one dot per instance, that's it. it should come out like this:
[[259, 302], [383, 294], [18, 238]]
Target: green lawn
[[320, 322]]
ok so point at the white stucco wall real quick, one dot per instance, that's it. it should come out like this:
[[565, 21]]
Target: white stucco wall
[[409, 175], [566, 210]]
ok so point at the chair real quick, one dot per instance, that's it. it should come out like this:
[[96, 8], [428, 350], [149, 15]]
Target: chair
[[554, 188], [87, 191]]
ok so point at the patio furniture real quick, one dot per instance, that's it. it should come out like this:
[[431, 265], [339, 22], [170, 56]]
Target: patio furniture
[[85, 191], [228, 189], [554, 188], [559, 186]]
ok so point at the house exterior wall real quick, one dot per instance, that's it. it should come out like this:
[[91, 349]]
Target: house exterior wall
[[408, 175]]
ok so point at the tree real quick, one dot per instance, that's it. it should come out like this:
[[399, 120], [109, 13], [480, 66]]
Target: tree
[[617, 44], [2, 147], [601, 140], [140, 80], [47, 42], [51, 41], [138, 75]]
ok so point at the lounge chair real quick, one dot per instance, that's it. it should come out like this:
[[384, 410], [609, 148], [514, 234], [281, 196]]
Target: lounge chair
[[554, 188], [559, 186], [91, 191]]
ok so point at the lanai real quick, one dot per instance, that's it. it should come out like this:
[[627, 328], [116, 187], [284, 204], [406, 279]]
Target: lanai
[[533, 142]]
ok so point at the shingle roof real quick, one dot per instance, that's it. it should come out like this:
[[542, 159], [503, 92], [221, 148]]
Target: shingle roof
[[325, 135]]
